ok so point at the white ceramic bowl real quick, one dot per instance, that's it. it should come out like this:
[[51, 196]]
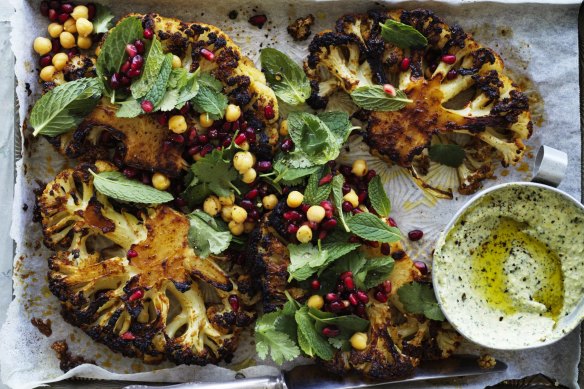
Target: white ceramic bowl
[[473, 307]]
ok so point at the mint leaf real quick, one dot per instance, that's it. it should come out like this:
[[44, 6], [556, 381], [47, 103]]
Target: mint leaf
[[285, 77], [348, 323], [211, 102], [216, 172], [102, 20], [269, 340], [370, 227], [312, 138], [290, 175], [305, 260], [420, 299], [65, 106], [129, 109], [312, 343], [315, 193], [113, 50], [154, 57], [373, 272], [119, 187], [402, 35], [337, 189], [206, 236], [157, 90], [207, 80], [336, 250], [379, 200], [338, 123], [447, 154], [374, 98]]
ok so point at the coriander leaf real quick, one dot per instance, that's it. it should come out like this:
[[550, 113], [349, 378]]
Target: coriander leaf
[[150, 71], [195, 194], [420, 298], [278, 344], [113, 50], [206, 236], [447, 154], [341, 343], [216, 172], [374, 98], [370, 227], [65, 106], [156, 93], [402, 35], [188, 91], [313, 343], [285, 77], [119, 187], [102, 20], [315, 193], [337, 188], [373, 272], [379, 200], [338, 122], [305, 260], [211, 102], [129, 109]]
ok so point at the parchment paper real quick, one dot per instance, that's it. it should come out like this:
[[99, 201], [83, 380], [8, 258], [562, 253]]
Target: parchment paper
[[538, 42]]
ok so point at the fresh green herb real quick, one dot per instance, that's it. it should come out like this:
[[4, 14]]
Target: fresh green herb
[[373, 272], [271, 340], [207, 80], [119, 187], [158, 88], [305, 260], [371, 227], [379, 200], [315, 193], [154, 57], [285, 77], [206, 235], [419, 298], [349, 323], [290, 175], [102, 20], [211, 174], [64, 107], [311, 341], [374, 98], [338, 123], [402, 35], [337, 188], [336, 250], [113, 51], [211, 102], [129, 108], [447, 154]]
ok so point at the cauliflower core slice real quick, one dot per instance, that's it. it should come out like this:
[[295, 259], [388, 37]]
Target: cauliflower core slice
[[146, 299], [457, 87]]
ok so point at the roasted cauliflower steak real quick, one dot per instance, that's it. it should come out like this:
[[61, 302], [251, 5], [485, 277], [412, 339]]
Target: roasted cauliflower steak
[[130, 279], [460, 92]]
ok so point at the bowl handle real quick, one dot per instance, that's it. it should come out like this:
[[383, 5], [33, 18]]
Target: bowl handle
[[550, 166]]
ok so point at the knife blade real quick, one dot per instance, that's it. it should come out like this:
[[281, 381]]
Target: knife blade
[[315, 377]]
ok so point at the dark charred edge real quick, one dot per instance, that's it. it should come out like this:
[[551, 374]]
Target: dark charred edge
[[180, 354], [327, 39], [68, 361], [227, 286], [299, 29], [80, 66], [315, 100]]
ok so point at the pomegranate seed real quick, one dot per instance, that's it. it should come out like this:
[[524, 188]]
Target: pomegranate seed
[[180, 202], [360, 310], [234, 302], [421, 266], [386, 286], [213, 133], [55, 4], [194, 150], [345, 170], [131, 50], [385, 249], [137, 295], [206, 150], [137, 62], [322, 235], [146, 179], [252, 194], [253, 214], [392, 222], [349, 283], [90, 11], [346, 188], [269, 112], [370, 175], [451, 74], [346, 274], [362, 296], [264, 166], [247, 204], [139, 46], [398, 255], [313, 225], [292, 228], [115, 81], [354, 239], [315, 284], [55, 45], [192, 134], [389, 89], [132, 253], [125, 66], [208, 55], [353, 299], [415, 235], [304, 208], [53, 16], [329, 224], [336, 306], [258, 20], [177, 138], [44, 7], [45, 60], [63, 17], [130, 172], [72, 52], [292, 215], [325, 180], [147, 106], [330, 297], [240, 138], [67, 8], [327, 205], [127, 336], [405, 64], [449, 59], [362, 196], [203, 139], [381, 297], [287, 145], [133, 73], [148, 33], [347, 206]]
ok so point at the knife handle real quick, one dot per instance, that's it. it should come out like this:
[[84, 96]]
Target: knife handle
[[244, 383]]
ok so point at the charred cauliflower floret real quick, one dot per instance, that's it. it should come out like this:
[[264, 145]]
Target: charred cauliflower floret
[[459, 91], [131, 280], [299, 29]]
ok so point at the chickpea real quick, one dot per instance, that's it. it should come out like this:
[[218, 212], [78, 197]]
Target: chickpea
[[84, 27], [84, 42], [211, 205], [315, 301], [226, 213], [232, 113], [177, 124], [176, 62], [236, 228], [248, 227], [70, 25], [55, 29], [304, 234], [227, 200], [294, 199], [42, 45], [315, 213], [47, 73], [160, 181], [359, 341], [249, 176], [242, 161], [352, 198], [359, 168], [284, 128], [270, 201], [67, 40], [79, 12], [60, 61], [238, 214], [205, 120]]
